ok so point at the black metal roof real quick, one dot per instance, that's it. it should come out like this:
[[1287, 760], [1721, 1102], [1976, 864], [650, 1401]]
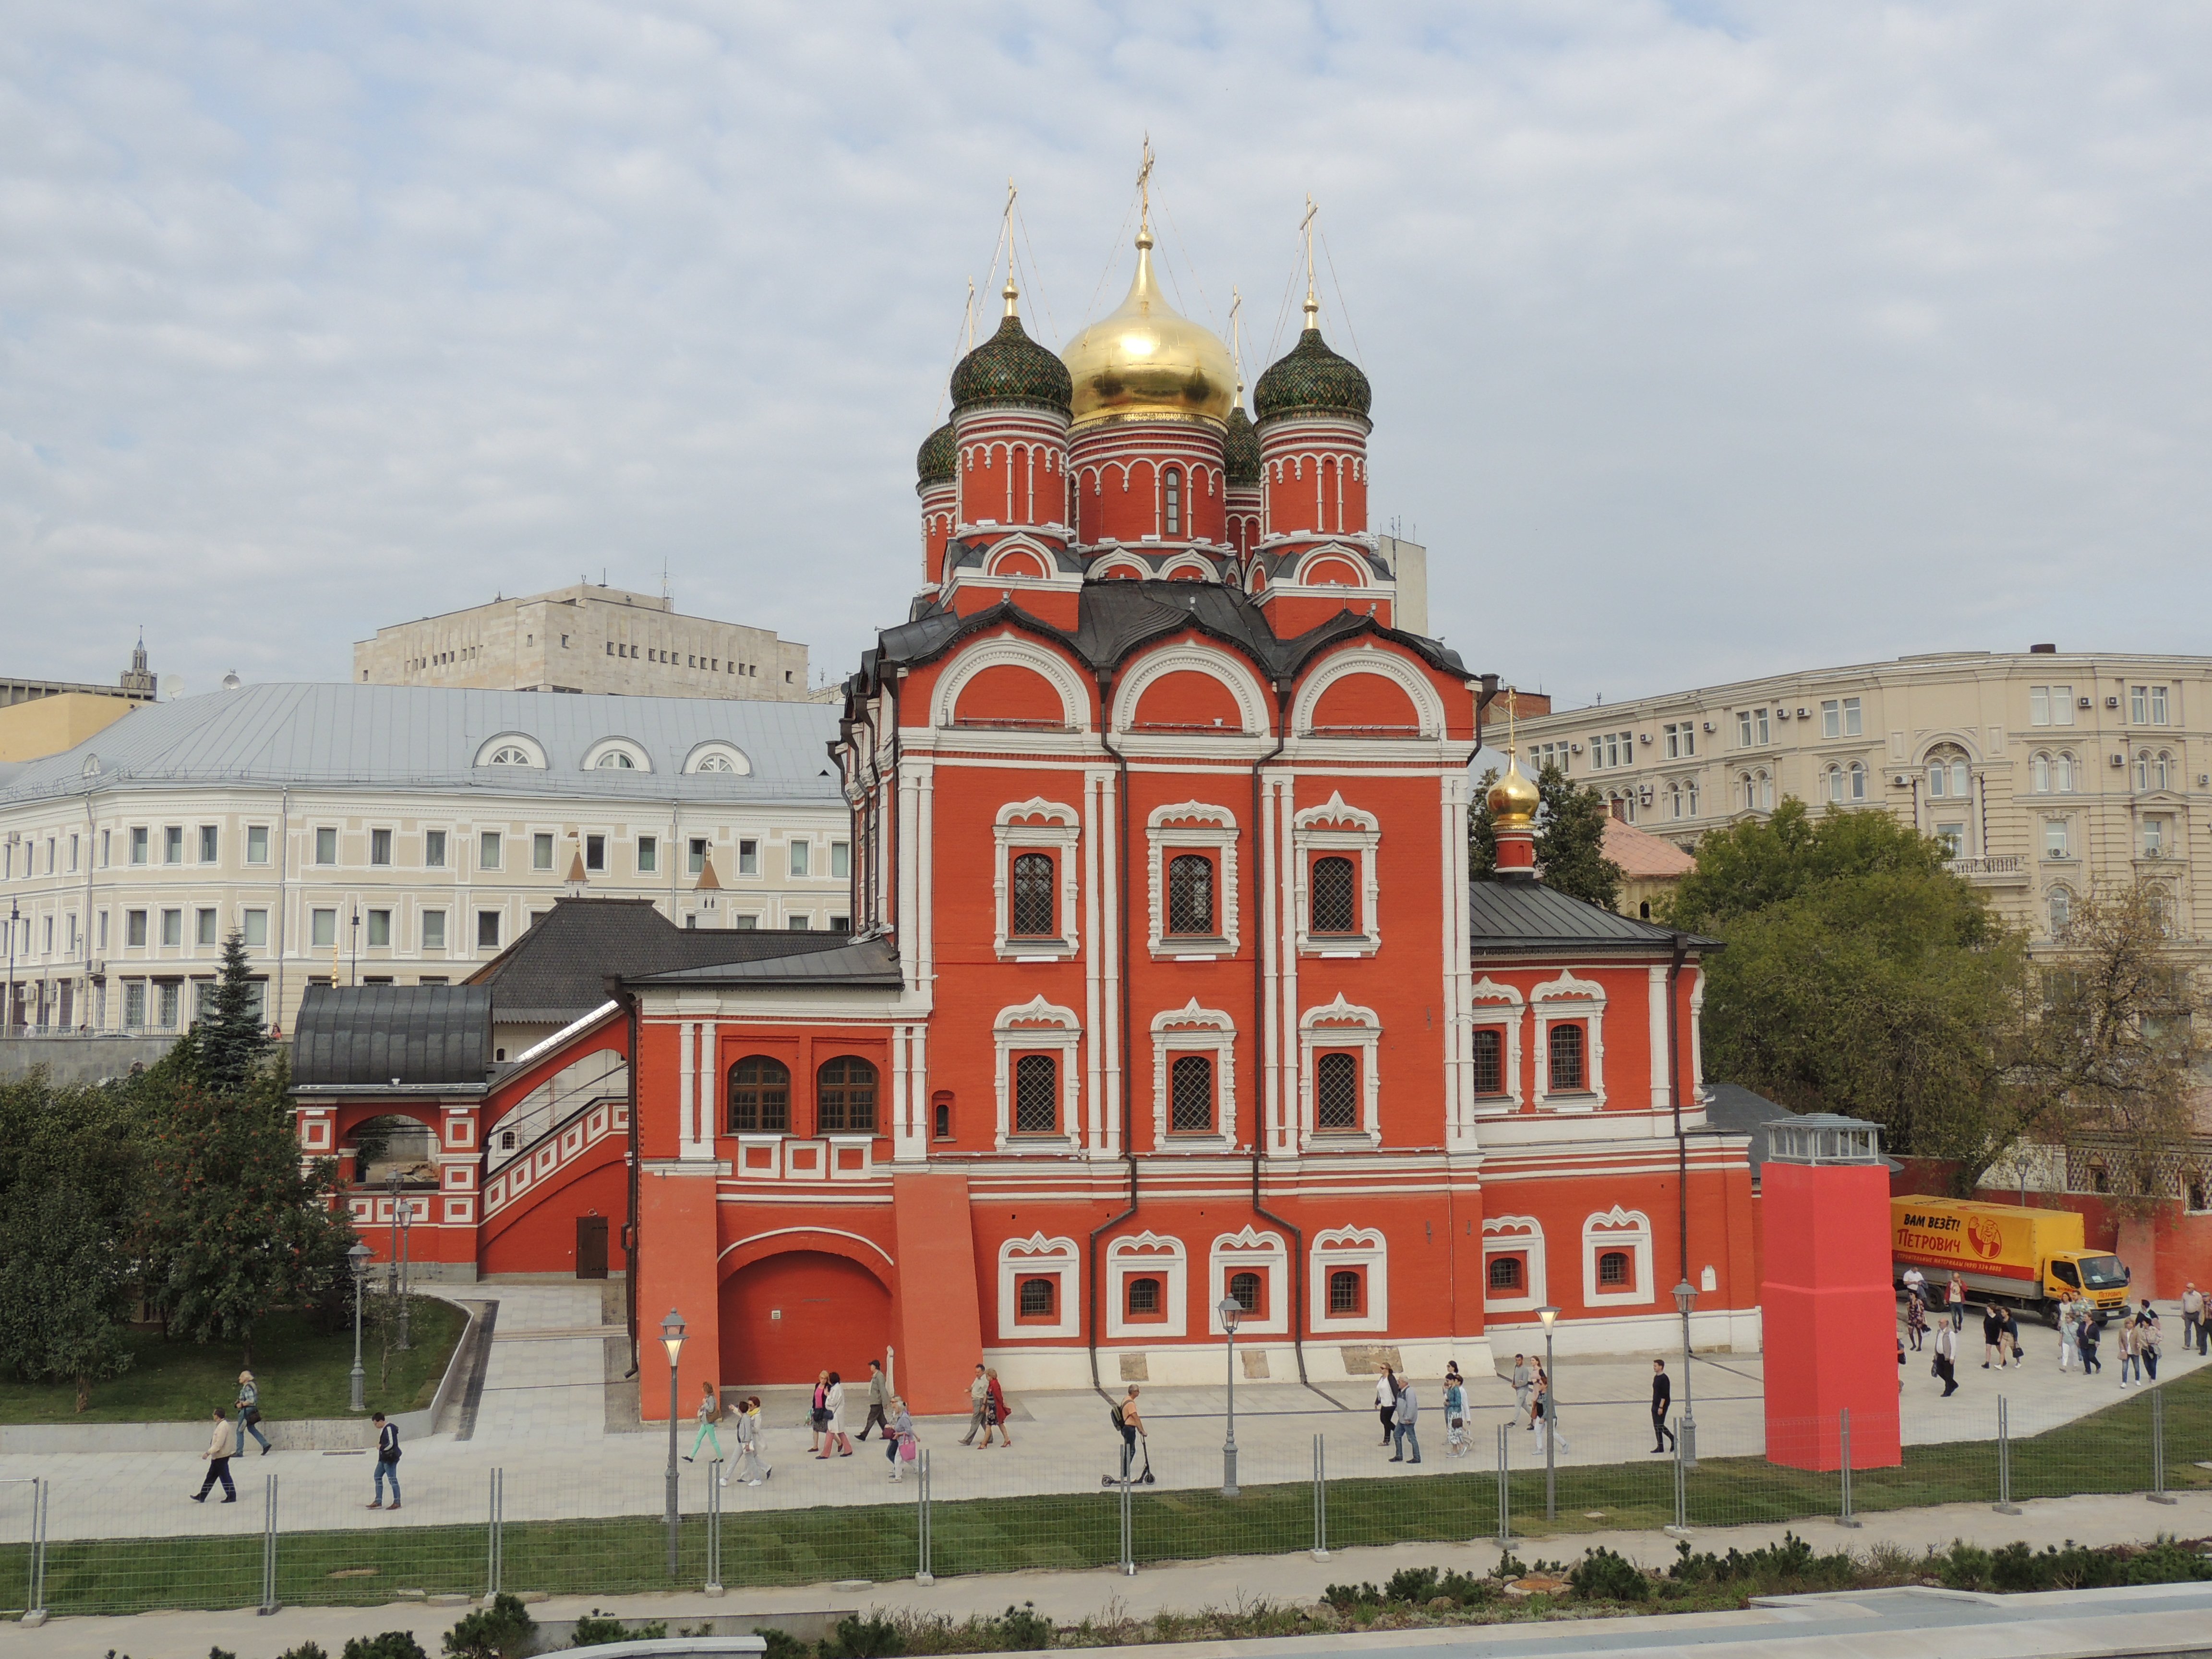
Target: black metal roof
[[434, 1037], [558, 970], [868, 962], [1514, 914]]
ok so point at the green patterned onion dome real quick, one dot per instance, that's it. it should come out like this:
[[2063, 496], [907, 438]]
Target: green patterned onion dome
[[1312, 379], [1240, 449], [1010, 367], [935, 463]]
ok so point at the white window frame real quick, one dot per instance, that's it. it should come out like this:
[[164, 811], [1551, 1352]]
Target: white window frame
[[1499, 1007], [1681, 738], [1144, 1256], [1341, 1026], [1034, 1027], [1191, 1029], [2038, 705], [1522, 1235], [1034, 825], [1570, 998], [1832, 717], [1038, 1257], [1193, 826], [1249, 1251], [1854, 718], [1349, 1247], [1335, 827], [2065, 838], [1612, 1230]]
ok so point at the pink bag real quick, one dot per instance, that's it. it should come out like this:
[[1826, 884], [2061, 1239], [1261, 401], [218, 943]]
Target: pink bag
[[906, 1449]]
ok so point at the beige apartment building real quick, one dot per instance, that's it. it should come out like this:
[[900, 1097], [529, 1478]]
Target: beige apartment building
[[393, 834], [585, 639], [2048, 772]]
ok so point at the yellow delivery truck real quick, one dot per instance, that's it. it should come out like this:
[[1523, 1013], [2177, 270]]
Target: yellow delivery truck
[[2032, 1260]]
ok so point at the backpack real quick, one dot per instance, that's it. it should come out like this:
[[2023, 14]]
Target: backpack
[[1116, 1415]]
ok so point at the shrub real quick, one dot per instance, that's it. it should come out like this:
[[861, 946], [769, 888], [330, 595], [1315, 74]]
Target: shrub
[[783, 1645], [304, 1651], [393, 1644], [501, 1631], [1411, 1584], [594, 1631], [1022, 1629], [1965, 1566], [855, 1638], [1601, 1576], [2166, 1562]]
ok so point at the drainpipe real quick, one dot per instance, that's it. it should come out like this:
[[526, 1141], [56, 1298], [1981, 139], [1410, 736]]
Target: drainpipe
[[1674, 1098], [1259, 1065], [1128, 1144], [889, 918], [629, 1233], [283, 902]]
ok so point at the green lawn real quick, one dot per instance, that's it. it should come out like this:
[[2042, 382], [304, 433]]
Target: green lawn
[[2107, 1452], [300, 1374]]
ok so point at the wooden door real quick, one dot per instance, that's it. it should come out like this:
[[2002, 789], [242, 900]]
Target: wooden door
[[591, 1247]]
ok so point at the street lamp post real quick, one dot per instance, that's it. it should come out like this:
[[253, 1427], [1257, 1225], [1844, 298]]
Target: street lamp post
[[357, 1259], [1686, 1435], [1231, 1310], [7, 1014], [406, 1208], [672, 1337], [1551, 1420]]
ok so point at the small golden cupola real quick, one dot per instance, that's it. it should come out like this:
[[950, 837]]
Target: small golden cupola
[[1513, 798], [1145, 362]]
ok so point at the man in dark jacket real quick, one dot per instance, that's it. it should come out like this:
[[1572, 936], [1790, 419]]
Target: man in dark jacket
[[1663, 1396]]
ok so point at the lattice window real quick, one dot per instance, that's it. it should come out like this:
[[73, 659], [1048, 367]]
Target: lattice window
[[1343, 1291], [1035, 910], [1336, 1092], [1191, 1089], [1036, 1299], [1190, 894], [1613, 1268], [760, 1097], [1037, 1095], [1566, 1044], [1144, 1296], [845, 1097], [1335, 905], [1505, 1273], [1489, 1055], [1244, 1290]]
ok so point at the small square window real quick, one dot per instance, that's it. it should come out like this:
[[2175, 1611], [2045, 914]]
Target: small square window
[[326, 846], [254, 926], [138, 855], [840, 860], [434, 850], [1038, 1298], [595, 852], [1506, 1274], [257, 843], [204, 928], [487, 930], [322, 928], [648, 855], [134, 929], [172, 845], [541, 852], [801, 857], [1347, 1291], [747, 858], [172, 927], [379, 930], [1145, 1297], [488, 849], [434, 930], [379, 847], [210, 843]]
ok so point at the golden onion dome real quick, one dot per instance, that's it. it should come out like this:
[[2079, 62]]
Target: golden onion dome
[[1513, 798], [1144, 360]]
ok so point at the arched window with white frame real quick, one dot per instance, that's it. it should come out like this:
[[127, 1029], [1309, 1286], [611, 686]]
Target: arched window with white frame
[[2039, 772], [1253, 1269], [1037, 1103], [1348, 1284], [1039, 1288], [1515, 1279], [2063, 771], [1616, 1268], [1148, 1286]]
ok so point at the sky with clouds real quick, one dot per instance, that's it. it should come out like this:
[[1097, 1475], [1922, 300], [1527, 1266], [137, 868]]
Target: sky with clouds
[[1707, 339]]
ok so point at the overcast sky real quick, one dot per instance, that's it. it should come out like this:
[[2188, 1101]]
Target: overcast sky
[[1706, 340]]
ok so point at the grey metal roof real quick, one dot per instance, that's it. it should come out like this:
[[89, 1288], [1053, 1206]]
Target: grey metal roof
[[426, 738], [385, 1035], [867, 962], [1516, 914]]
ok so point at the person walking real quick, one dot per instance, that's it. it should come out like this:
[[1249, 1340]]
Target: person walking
[[1663, 1396], [877, 1395], [1947, 1357], [750, 1466], [387, 1460], [1456, 1443], [997, 1414], [1405, 1432], [249, 1413], [2014, 1357], [2192, 1315], [1916, 1285], [1992, 1336], [903, 1448], [2090, 1330], [2070, 1334], [2150, 1338], [1916, 1322], [979, 1403], [217, 1457], [1131, 1422], [1547, 1412], [709, 1413], [2123, 1339], [1954, 1295], [818, 1413], [1386, 1401], [833, 1438], [1539, 1382], [1522, 1379]]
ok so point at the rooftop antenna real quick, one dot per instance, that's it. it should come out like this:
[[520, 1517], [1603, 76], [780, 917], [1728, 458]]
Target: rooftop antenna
[[664, 579]]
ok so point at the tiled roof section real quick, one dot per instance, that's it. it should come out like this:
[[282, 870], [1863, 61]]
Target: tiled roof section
[[1642, 855], [558, 970], [1732, 1109], [1117, 618], [376, 1035], [864, 963], [1240, 449], [1516, 914], [427, 738], [1010, 367], [1311, 378], [934, 461]]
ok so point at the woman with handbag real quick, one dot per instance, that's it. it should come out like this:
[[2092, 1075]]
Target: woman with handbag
[[819, 1414], [749, 1467], [903, 1449], [833, 1438], [995, 1417], [249, 1413], [709, 1413]]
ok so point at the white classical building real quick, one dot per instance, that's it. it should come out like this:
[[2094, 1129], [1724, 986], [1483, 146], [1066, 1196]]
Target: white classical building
[[394, 835]]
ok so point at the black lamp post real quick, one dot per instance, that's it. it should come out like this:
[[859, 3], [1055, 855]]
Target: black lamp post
[[672, 1337], [1231, 1310]]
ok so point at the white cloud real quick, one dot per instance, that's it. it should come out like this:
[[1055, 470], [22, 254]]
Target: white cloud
[[1706, 340]]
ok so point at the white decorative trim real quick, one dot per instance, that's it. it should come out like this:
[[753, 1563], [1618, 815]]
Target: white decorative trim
[[780, 1232], [1499, 1007], [1337, 552], [1332, 1026], [1351, 1247], [1039, 1257], [1006, 650], [1251, 1251], [1147, 1253], [1039, 824], [1613, 1229], [1032, 1027], [633, 751], [1234, 675], [1202, 826], [1335, 827], [740, 763], [1522, 1235], [1428, 706], [521, 740], [1186, 1030], [1567, 998]]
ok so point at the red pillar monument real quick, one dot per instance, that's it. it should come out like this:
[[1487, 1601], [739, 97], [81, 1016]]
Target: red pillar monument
[[1827, 1306]]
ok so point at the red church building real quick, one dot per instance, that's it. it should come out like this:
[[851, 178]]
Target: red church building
[[1166, 983]]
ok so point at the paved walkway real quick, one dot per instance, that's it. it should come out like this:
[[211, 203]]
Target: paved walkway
[[544, 1418]]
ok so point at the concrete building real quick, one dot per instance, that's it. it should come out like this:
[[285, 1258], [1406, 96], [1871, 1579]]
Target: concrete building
[[40, 718], [585, 639], [2049, 772], [394, 835]]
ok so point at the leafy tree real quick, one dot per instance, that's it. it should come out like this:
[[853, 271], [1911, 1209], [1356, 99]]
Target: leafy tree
[[231, 1042], [1862, 976], [233, 1227], [1570, 839], [68, 1180]]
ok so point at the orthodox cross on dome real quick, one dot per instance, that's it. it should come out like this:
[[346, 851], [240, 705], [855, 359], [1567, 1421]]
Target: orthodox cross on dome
[[1009, 293], [1236, 338], [1144, 190], [1306, 230]]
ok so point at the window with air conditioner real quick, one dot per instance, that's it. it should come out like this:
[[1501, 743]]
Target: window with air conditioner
[[2056, 840]]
